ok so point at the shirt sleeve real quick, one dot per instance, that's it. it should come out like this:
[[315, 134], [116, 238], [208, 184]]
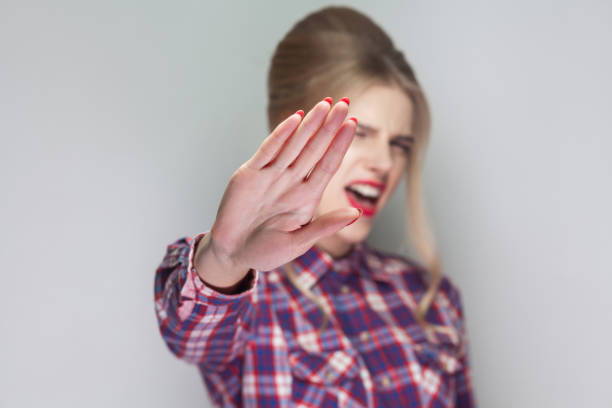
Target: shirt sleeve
[[199, 324]]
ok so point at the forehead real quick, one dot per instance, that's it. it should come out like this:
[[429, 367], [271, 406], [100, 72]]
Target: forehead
[[385, 108]]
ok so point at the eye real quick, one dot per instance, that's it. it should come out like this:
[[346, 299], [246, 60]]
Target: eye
[[406, 148], [360, 133]]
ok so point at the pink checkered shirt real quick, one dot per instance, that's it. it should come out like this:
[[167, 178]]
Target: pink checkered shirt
[[262, 348]]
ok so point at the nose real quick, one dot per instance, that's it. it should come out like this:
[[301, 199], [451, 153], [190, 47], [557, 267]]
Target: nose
[[380, 160]]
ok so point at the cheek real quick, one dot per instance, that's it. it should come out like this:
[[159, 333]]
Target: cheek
[[395, 176], [342, 175], [333, 194], [334, 188], [399, 169], [399, 164]]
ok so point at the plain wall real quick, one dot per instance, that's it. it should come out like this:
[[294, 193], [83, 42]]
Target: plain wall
[[122, 121]]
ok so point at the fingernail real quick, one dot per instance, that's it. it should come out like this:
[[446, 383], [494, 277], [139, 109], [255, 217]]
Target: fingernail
[[360, 212], [354, 119], [347, 100], [329, 100], [300, 112]]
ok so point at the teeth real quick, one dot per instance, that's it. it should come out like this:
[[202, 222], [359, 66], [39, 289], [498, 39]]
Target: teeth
[[366, 190]]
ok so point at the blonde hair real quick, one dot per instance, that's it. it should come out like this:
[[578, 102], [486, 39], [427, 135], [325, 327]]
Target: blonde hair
[[337, 52]]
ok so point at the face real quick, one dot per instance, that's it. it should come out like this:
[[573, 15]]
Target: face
[[373, 165]]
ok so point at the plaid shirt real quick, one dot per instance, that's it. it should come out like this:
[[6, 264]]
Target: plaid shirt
[[262, 348]]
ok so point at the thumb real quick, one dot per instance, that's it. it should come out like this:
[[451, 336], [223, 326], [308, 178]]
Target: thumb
[[325, 225]]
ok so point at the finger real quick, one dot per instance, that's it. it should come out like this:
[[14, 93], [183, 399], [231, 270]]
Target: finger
[[272, 144], [311, 123], [319, 143], [329, 163], [327, 224]]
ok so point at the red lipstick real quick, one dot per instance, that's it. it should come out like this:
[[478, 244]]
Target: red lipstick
[[377, 184], [368, 206], [368, 211]]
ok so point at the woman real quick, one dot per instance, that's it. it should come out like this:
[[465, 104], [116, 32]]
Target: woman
[[282, 303]]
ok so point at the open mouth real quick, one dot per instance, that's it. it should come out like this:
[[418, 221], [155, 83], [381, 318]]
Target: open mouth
[[363, 198]]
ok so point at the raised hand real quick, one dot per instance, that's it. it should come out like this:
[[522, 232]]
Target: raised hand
[[264, 218]]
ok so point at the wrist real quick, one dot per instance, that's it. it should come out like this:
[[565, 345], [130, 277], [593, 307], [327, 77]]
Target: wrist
[[207, 249], [213, 267]]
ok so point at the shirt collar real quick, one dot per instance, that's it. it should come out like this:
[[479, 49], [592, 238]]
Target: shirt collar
[[314, 263]]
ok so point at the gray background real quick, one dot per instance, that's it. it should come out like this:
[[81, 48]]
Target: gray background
[[121, 122]]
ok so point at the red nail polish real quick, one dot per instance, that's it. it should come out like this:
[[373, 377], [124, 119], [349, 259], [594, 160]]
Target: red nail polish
[[360, 212], [354, 119], [329, 100], [301, 113], [347, 100]]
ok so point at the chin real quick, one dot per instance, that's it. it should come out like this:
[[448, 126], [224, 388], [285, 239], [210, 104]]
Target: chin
[[356, 232]]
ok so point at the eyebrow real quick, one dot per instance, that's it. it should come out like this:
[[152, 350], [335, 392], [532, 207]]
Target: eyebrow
[[372, 129]]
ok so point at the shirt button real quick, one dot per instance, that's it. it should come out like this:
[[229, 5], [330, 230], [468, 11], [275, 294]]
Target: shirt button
[[385, 381], [345, 289], [329, 375], [364, 336]]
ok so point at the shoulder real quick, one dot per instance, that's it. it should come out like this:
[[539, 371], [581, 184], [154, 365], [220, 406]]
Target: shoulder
[[451, 290], [449, 297]]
